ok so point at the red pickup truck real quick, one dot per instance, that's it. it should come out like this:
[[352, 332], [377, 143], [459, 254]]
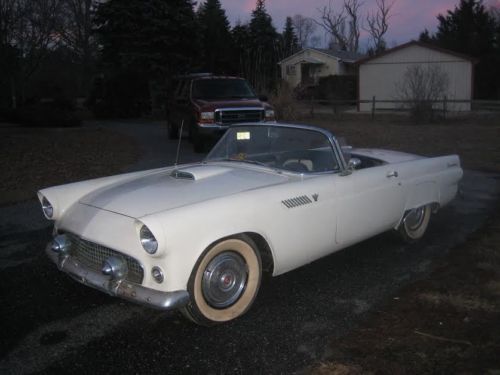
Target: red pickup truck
[[209, 104]]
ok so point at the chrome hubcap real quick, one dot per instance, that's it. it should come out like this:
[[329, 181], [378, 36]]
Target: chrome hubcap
[[224, 279], [415, 218]]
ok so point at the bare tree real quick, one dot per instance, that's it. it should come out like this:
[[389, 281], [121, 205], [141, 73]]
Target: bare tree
[[27, 27], [304, 29], [333, 22], [352, 8], [378, 24], [76, 34], [420, 87], [8, 14], [342, 24]]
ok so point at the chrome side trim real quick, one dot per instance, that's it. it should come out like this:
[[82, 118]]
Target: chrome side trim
[[118, 288], [297, 201]]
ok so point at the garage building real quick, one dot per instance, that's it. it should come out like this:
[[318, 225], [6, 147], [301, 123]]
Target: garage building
[[380, 75]]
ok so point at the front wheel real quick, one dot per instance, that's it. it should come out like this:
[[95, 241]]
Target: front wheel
[[224, 282], [415, 223]]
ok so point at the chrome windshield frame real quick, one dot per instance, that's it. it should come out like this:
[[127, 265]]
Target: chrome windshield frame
[[334, 144]]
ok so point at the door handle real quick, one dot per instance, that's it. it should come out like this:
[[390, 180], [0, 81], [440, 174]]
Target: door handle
[[392, 174]]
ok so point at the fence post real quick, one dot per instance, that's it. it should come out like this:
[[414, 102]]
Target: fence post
[[373, 107], [444, 106]]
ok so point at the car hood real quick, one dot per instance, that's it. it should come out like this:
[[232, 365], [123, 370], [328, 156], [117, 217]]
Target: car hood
[[211, 105], [161, 190]]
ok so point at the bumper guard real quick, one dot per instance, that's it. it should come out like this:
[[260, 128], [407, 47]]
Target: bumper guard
[[119, 288]]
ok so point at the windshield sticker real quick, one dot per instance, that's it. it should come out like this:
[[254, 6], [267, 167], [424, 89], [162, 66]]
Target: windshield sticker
[[242, 136]]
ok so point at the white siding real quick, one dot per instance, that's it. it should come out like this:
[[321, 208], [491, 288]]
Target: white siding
[[380, 76], [330, 66]]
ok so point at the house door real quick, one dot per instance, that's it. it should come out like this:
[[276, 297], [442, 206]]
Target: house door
[[305, 71]]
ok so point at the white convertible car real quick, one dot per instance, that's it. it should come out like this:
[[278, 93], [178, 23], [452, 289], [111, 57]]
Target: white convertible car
[[267, 198]]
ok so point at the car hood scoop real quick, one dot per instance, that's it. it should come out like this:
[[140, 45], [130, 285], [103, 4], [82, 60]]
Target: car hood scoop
[[169, 189], [198, 172]]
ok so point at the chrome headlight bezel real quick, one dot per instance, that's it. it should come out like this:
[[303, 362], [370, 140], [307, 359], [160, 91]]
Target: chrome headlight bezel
[[47, 208], [148, 240], [207, 116], [269, 114]]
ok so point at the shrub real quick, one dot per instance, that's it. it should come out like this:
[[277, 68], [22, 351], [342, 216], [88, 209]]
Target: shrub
[[420, 88], [45, 114], [284, 103]]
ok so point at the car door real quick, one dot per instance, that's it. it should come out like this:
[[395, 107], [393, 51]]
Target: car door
[[369, 201], [300, 220]]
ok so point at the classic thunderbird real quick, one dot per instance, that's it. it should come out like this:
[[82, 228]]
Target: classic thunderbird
[[267, 198]]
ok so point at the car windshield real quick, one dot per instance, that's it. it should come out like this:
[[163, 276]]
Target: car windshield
[[279, 147], [222, 88]]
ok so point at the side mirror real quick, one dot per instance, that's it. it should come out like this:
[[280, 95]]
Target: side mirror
[[351, 166], [353, 163], [263, 98]]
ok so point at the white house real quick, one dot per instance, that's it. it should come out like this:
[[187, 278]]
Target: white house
[[308, 65], [381, 75]]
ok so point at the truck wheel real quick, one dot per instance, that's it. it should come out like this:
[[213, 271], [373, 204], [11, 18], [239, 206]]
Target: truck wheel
[[415, 223], [224, 282]]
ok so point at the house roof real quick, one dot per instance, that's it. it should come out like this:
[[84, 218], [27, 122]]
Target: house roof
[[420, 44], [346, 56], [310, 60]]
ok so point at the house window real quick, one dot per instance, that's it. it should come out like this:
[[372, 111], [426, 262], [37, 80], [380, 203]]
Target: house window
[[290, 70]]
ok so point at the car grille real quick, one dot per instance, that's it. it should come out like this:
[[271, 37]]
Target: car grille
[[238, 116], [93, 255]]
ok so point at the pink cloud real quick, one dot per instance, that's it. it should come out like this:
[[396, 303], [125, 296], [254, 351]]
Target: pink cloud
[[409, 18]]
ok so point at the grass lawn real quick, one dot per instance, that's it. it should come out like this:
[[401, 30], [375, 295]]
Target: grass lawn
[[34, 158]]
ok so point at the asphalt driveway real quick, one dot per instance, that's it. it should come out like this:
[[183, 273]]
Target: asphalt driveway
[[50, 323]]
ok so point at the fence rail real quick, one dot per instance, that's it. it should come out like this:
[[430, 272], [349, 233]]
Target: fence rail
[[443, 106]]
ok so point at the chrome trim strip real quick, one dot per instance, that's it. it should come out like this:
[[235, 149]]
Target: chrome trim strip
[[212, 126], [118, 288], [240, 109]]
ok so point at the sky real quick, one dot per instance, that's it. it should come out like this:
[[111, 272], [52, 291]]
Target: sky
[[409, 17]]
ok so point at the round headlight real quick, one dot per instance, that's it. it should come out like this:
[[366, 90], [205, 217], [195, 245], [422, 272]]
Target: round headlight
[[47, 208], [148, 241]]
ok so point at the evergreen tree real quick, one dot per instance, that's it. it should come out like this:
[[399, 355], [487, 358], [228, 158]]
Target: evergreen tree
[[241, 48], [289, 41], [143, 44], [264, 42], [471, 30], [216, 41], [153, 37]]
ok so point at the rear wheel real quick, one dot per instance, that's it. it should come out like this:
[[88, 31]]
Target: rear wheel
[[415, 223], [224, 282]]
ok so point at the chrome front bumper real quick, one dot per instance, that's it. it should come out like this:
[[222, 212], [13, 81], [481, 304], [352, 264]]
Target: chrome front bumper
[[119, 288]]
